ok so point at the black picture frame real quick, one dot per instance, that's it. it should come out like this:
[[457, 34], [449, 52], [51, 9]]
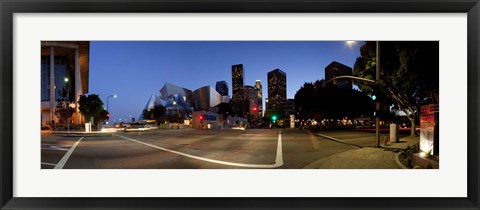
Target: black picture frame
[[10, 7]]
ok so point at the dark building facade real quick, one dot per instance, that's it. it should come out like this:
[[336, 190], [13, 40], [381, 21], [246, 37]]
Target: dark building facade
[[64, 68], [222, 88], [277, 89], [335, 69]]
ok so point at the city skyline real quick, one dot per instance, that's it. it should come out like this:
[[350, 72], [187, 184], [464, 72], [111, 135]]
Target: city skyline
[[196, 128], [134, 70]]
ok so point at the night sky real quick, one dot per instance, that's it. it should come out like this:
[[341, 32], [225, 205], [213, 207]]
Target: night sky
[[134, 70]]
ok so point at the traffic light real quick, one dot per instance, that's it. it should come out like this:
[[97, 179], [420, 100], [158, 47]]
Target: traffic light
[[200, 118], [254, 108], [274, 118], [377, 93], [107, 116]]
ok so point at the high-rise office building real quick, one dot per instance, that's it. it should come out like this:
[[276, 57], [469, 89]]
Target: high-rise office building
[[335, 69], [238, 76], [222, 88], [252, 98], [277, 89], [238, 102], [258, 86], [253, 114], [64, 68]]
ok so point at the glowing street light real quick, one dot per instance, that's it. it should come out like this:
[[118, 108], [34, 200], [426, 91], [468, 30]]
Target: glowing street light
[[175, 103], [350, 43], [66, 107]]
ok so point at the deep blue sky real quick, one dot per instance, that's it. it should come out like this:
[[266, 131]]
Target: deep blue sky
[[134, 70]]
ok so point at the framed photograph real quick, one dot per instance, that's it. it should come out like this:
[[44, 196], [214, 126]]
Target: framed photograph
[[239, 105]]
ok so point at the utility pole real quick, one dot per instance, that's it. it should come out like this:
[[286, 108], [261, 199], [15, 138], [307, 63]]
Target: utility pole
[[376, 85], [377, 105]]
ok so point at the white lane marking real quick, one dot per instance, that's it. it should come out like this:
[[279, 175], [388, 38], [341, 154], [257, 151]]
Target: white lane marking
[[55, 148], [278, 158], [48, 164], [313, 140], [64, 159]]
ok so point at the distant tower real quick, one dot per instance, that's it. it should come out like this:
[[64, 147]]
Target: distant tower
[[277, 89], [258, 86], [335, 69], [222, 88], [252, 98]]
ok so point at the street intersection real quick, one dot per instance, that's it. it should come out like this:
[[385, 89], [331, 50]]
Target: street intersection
[[198, 149]]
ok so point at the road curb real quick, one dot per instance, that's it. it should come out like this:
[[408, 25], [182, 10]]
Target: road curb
[[337, 140], [397, 161]]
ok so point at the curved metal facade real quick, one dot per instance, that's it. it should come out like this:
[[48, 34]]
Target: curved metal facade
[[206, 97]]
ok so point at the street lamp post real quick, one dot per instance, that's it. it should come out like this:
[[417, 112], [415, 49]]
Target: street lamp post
[[108, 97], [66, 107], [377, 82], [114, 96], [377, 104]]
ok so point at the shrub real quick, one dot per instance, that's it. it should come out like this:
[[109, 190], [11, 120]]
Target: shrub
[[407, 155]]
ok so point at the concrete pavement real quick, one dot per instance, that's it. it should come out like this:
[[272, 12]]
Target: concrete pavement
[[366, 158]]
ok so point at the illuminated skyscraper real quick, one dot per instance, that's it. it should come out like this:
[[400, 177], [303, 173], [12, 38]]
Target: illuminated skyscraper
[[238, 76], [222, 88], [277, 89], [252, 98], [239, 103], [258, 86], [254, 114]]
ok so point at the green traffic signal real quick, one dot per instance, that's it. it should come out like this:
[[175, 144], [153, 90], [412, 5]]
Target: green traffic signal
[[274, 117], [374, 97]]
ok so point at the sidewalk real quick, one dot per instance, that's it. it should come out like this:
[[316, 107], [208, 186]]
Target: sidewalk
[[403, 142], [365, 158]]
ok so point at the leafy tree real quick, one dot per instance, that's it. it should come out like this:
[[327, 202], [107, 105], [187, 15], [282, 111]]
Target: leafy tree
[[147, 114], [409, 72], [239, 107], [320, 101], [158, 113], [225, 109], [173, 117], [91, 106], [278, 113], [63, 111], [101, 116]]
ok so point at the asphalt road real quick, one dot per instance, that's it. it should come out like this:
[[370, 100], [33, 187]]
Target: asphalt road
[[198, 149]]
